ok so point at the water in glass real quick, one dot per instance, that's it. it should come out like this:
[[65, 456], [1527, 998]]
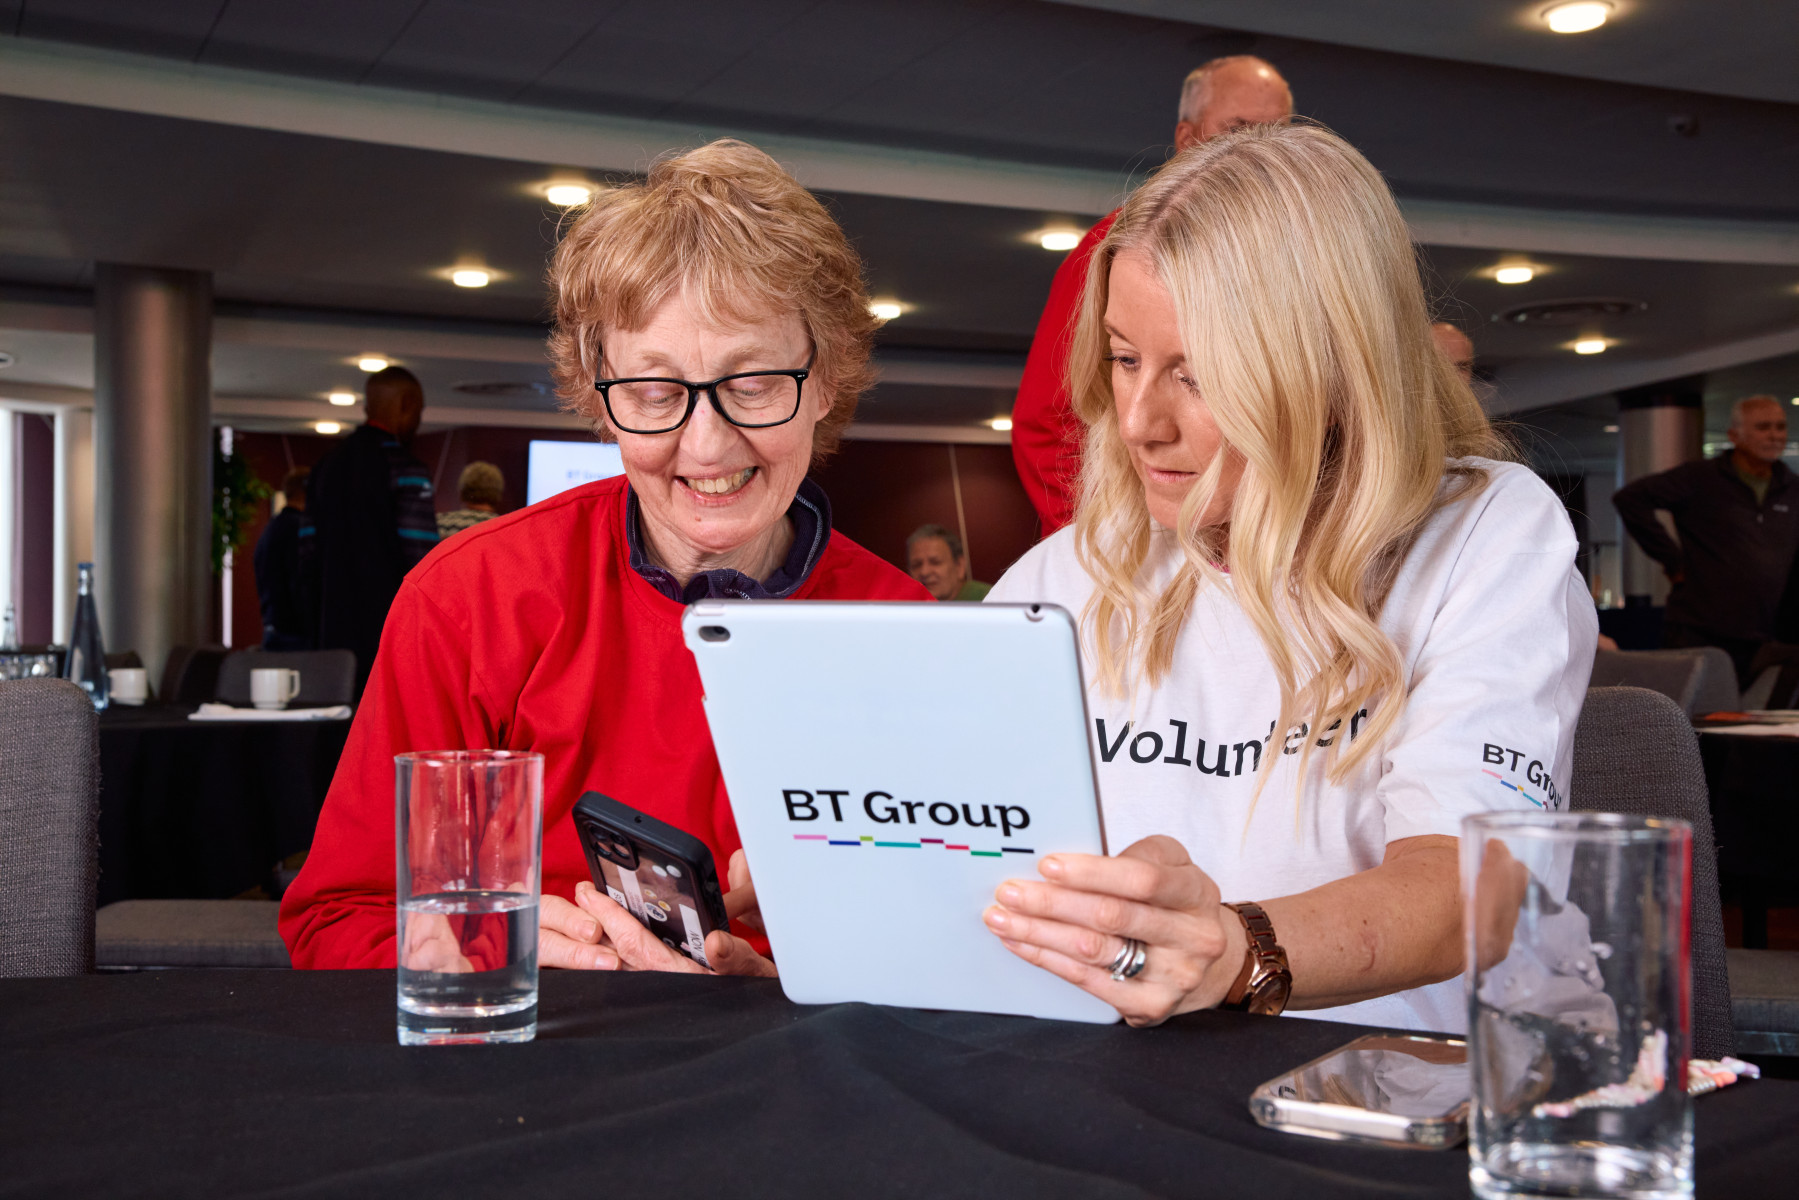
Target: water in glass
[[468, 967]]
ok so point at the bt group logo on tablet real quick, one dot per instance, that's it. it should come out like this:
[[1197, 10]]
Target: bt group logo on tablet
[[882, 809]]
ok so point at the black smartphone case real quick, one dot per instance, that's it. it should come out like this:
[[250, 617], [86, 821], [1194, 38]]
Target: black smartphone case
[[659, 874]]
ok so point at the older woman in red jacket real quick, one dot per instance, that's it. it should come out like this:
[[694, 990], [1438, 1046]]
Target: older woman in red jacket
[[713, 321]]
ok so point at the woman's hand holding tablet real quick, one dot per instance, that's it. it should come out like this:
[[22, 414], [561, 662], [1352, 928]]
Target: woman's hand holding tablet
[[1074, 922], [597, 934]]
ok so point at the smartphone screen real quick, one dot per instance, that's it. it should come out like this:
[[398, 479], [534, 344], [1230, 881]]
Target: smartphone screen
[[1407, 1077]]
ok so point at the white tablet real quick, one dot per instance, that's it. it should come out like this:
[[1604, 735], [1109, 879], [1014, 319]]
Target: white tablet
[[889, 765]]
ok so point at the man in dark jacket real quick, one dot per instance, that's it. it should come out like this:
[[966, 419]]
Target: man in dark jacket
[[370, 503], [288, 622], [1738, 520]]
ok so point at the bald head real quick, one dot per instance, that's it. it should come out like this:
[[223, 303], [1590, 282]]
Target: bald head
[[1456, 347], [1229, 92], [394, 400]]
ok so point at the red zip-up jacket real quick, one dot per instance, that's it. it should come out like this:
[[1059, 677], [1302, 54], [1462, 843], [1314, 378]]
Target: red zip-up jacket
[[1046, 435], [531, 632]]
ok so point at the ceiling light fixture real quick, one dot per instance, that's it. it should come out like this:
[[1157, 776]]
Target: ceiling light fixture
[[327, 427], [1514, 274], [885, 310], [372, 363], [1003, 424], [1059, 240], [1611, 429], [1592, 345], [568, 195], [1580, 16], [470, 277], [342, 399]]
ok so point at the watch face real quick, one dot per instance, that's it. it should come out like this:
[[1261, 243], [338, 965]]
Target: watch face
[[1271, 997]]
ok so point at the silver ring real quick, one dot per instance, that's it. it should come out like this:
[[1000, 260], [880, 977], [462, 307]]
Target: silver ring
[[1129, 962]]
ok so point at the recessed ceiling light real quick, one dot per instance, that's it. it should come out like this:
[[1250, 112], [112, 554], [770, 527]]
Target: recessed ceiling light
[[1580, 16], [372, 363], [1058, 239], [1611, 429], [1592, 345], [1514, 274], [327, 427], [470, 277], [1796, 399], [342, 399], [568, 195], [885, 310], [1001, 423]]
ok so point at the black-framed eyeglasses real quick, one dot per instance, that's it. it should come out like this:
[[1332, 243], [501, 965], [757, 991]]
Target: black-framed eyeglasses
[[748, 400]]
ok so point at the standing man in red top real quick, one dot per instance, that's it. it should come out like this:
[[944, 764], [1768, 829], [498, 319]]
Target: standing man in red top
[[1046, 435]]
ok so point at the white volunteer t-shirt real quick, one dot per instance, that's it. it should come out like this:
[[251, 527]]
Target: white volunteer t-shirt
[[1496, 632]]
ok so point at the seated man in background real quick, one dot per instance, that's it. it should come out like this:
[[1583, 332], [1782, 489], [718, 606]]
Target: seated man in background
[[1738, 520], [479, 489], [936, 558], [287, 616], [1221, 95]]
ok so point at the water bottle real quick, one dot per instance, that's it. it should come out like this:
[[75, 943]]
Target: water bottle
[[86, 663]]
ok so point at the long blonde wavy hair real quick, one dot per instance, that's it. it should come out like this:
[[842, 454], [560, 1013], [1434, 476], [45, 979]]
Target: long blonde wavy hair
[[1297, 293]]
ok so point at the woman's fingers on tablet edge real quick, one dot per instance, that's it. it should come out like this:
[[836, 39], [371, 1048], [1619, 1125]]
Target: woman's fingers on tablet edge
[[1137, 1002]]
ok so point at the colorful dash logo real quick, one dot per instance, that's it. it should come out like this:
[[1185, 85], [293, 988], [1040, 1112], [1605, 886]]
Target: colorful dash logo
[[920, 844]]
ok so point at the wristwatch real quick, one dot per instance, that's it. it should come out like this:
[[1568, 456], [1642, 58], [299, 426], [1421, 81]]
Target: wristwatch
[[1265, 982]]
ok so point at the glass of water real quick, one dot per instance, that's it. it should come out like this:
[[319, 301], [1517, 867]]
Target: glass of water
[[469, 850], [1578, 1004]]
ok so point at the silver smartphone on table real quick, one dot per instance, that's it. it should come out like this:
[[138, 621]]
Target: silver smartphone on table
[[1395, 1089]]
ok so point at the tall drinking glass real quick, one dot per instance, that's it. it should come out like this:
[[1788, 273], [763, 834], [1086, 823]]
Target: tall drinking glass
[[1578, 1004], [469, 850]]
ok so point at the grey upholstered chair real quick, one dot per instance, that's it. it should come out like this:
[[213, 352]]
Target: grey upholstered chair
[[326, 676], [1700, 679], [49, 827], [1635, 752]]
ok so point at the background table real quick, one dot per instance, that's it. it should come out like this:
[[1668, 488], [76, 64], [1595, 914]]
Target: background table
[[1754, 786], [289, 1083], [205, 809]]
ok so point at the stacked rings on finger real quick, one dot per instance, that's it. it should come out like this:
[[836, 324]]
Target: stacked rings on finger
[[1130, 960]]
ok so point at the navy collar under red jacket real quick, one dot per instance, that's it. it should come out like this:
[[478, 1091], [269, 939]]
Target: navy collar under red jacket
[[532, 632]]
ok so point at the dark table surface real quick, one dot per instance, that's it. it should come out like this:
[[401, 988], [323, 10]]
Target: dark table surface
[[278, 1083], [205, 809], [1754, 785]]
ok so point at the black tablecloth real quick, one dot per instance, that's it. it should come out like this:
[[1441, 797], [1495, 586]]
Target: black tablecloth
[[290, 1083], [1754, 786], [204, 809]]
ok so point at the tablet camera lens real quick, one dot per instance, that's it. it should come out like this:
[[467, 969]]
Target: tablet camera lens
[[714, 633]]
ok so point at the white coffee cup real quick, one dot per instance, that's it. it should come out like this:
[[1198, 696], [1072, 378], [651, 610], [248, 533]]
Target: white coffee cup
[[273, 687], [128, 685]]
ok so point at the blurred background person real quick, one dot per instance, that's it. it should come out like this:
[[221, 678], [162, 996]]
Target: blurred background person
[[1456, 347], [1223, 94], [288, 620], [1738, 534], [936, 558], [479, 488], [370, 502]]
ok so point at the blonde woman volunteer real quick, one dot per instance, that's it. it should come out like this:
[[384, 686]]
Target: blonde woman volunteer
[[1321, 623]]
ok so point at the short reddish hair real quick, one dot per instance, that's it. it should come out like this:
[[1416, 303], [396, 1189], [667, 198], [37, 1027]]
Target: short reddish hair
[[728, 223]]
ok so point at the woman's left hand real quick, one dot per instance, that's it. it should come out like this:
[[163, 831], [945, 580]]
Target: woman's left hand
[[1075, 921], [640, 950]]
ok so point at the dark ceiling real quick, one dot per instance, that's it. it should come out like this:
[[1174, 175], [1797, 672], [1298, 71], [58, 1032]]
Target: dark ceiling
[[294, 223]]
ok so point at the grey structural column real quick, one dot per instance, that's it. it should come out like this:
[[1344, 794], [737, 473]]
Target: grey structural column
[[1659, 427], [152, 457]]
